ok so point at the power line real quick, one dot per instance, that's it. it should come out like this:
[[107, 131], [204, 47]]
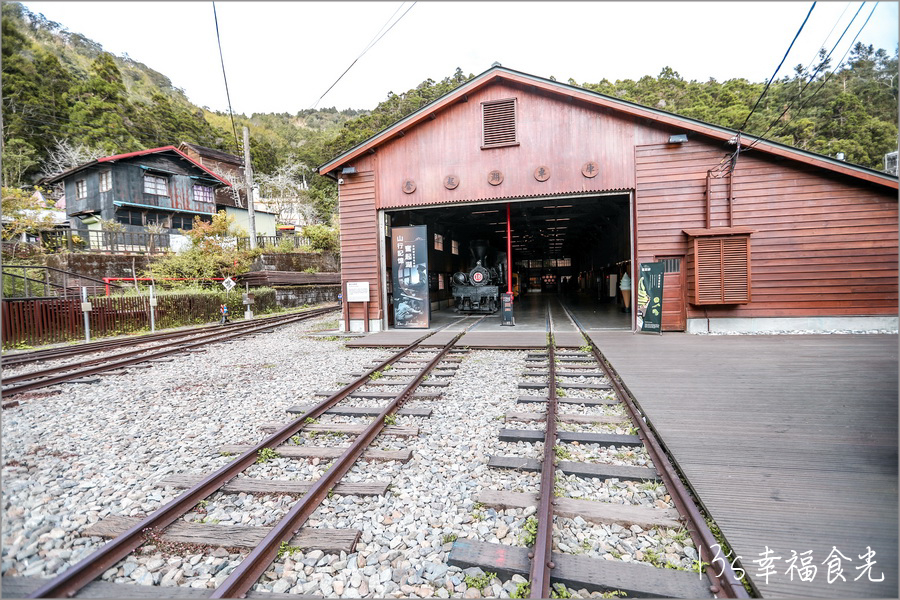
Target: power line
[[227, 94], [772, 78], [825, 41], [841, 64], [811, 79], [367, 48]]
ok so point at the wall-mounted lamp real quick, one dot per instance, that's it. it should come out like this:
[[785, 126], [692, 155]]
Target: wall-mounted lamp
[[348, 171], [679, 138]]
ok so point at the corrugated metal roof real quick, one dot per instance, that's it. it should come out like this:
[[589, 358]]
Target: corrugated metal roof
[[708, 129], [118, 157]]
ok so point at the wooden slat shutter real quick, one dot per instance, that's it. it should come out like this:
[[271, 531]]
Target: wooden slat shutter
[[499, 123], [721, 270]]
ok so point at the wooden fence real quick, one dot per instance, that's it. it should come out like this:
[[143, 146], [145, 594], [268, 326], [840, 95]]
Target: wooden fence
[[50, 321]]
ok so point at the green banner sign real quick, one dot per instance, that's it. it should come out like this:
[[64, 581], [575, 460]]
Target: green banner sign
[[649, 297]]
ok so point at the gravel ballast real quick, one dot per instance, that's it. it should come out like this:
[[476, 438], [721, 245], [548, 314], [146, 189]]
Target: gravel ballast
[[95, 450]]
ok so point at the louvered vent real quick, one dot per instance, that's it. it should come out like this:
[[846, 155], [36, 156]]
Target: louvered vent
[[499, 123], [722, 270]]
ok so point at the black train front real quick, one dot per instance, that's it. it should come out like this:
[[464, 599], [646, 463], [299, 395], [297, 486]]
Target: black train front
[[478, 291]]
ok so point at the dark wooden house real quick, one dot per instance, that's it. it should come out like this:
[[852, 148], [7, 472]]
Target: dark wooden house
[[767, 238], [159, 186], [227, 166]]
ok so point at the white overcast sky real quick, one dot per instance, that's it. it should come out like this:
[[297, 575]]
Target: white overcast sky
[[282, 56]]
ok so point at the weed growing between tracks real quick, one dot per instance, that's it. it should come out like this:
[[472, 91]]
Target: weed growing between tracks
[[154, 542]]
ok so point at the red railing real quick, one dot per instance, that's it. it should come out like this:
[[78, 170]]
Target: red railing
[[50, 321]]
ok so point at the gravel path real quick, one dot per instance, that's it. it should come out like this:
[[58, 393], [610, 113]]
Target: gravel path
[[73, 458]]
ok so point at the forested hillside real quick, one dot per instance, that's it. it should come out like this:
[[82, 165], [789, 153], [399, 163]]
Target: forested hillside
[[60, 87]]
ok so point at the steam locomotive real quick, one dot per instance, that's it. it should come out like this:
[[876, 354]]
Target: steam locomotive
[[478, 291]]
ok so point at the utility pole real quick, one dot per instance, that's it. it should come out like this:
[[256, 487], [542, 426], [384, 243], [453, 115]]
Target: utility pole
[[248, 175]]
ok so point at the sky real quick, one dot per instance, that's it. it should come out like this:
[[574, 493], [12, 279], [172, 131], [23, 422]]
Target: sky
[[283, 56]]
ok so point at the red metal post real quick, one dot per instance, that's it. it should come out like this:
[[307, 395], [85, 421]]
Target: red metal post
[[508, 251]]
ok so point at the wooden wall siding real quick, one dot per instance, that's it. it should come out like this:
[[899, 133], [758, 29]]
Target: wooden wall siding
[[551, 132], [824, 244], [359, 239]]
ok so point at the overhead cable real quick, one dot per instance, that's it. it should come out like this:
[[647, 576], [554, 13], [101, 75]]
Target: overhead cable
[[237, 144], [778, 68], [809, 81], [841, 64], [367, 48]]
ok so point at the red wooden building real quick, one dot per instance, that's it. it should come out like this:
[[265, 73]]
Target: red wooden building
[[767, 238]]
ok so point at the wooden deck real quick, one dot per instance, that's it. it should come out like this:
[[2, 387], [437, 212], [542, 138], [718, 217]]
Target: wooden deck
[[789, 441]]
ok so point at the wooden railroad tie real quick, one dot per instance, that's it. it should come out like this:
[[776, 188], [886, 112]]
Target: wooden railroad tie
[[563, 374], [251, 485], [566, 418], [345, 429], [238, 536], [528, 385], [22, 587], [429, 383], [578, 469], [569, 400], [589, 510], [417, 395], [356, 411], [594, 574], [604, 439], [293, 451]]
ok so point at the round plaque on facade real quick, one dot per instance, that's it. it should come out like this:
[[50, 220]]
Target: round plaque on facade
[[590, 169], [542, 173], [409, 186], [495, 177], [451, 181]]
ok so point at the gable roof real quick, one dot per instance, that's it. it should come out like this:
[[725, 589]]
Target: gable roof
[[499, 73], [212, 153], [118, 157]]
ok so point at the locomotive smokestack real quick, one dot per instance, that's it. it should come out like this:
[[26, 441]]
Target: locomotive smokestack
[[479, 249]]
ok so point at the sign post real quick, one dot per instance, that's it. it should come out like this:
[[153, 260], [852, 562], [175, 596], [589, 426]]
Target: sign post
[[86, 309], [358, 291]]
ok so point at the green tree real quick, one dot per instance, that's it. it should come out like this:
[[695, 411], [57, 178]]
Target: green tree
[[100, 112]]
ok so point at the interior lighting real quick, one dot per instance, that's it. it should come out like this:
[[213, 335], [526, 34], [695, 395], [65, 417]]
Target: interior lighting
[[484, 212]]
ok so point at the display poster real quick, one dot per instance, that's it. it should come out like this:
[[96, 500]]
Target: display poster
[[649, 297], [409, 272]]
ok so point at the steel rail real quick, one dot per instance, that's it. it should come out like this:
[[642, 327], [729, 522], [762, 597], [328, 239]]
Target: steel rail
[[145, 355], [70, 581], [255, 564], [23, 358], [541, 563], [724, 583], [208, 338]]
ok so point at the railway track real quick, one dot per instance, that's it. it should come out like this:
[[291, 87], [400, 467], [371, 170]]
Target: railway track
[[164, 345], [61, 352], [712, 578], [423, 362]]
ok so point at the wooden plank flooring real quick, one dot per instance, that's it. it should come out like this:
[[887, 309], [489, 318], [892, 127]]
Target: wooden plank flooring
[[789, 441]]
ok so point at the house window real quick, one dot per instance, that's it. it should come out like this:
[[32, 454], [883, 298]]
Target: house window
[[721, 270], [81, 189], [129, 217], [438, 241], [454, 247], [203, 193], [105, 181], [498, 120], [154, 184], [156, 219], [185, 222]]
